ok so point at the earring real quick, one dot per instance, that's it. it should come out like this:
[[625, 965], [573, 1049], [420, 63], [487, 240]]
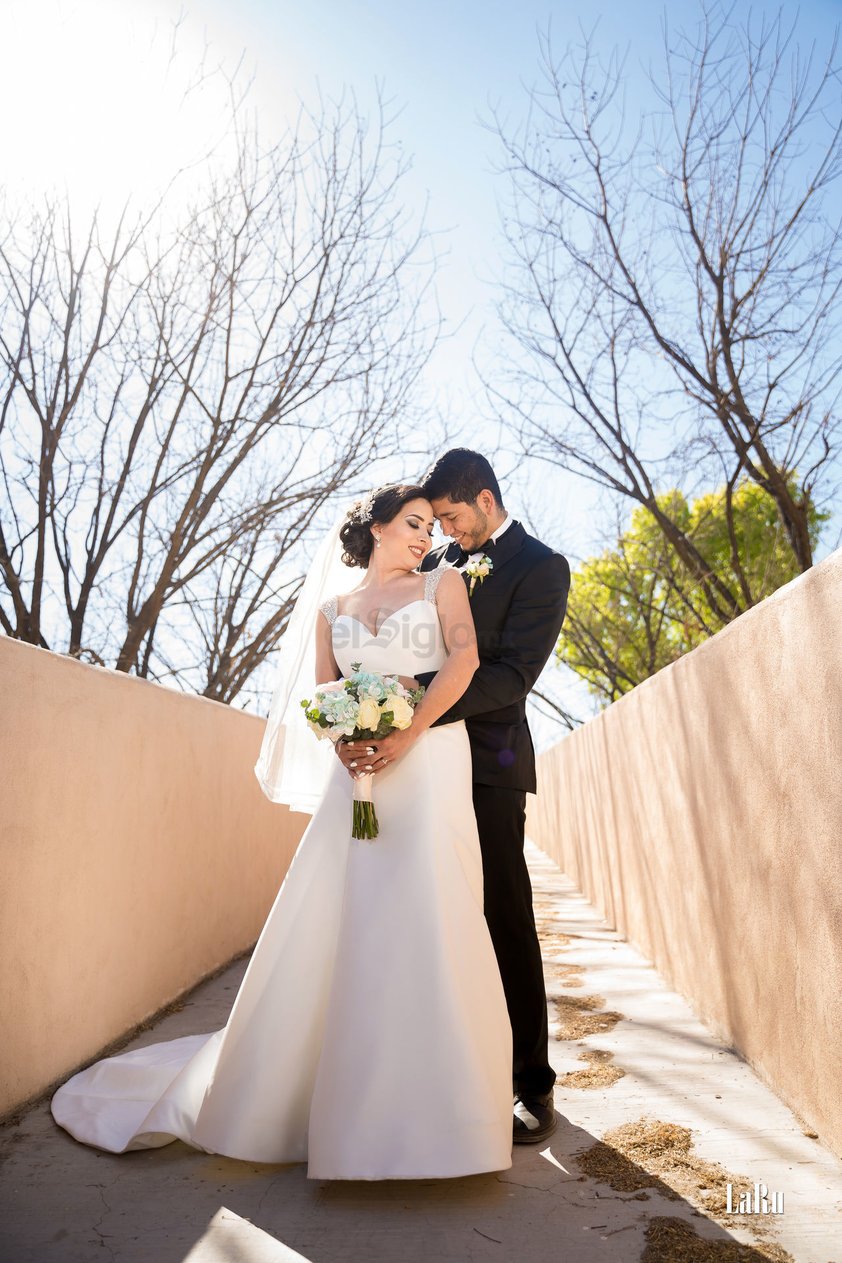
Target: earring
[[377, 541]]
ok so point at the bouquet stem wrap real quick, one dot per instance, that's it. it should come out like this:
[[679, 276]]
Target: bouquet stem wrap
[[365, 818]]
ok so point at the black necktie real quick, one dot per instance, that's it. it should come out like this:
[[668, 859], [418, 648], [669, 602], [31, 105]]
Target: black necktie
[[461, 556]]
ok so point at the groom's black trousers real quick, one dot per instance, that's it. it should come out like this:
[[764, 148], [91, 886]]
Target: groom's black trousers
[[501, 817]]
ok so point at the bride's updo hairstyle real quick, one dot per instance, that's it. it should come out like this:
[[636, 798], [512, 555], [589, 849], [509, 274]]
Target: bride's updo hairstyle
[[378, 507]]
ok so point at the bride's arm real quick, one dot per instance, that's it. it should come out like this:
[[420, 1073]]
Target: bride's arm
[[327, 668], [460, 638]]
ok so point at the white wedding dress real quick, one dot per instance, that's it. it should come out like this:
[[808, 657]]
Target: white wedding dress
[[370, 1035]]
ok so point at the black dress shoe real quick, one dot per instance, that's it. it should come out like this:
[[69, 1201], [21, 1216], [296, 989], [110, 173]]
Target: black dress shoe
[[534, 1119]]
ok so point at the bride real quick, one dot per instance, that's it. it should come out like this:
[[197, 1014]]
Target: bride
[[370, 1035]]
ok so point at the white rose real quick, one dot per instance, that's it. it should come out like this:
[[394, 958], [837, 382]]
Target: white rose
[[368, 715], [400, 708]]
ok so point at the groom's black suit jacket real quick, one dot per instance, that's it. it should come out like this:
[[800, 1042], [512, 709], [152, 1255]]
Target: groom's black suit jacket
[[518, 610]]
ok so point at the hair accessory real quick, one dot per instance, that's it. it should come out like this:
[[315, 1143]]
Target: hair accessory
[[364, 511]]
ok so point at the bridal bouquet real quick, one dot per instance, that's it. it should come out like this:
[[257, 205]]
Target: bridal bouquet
[[364, 706]]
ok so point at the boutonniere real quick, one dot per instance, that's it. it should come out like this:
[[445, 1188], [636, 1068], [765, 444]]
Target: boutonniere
[[477, 570]]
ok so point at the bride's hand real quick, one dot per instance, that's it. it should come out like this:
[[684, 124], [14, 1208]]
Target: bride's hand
[[408, 681], [354, 756], [359, 757], [387, 750]]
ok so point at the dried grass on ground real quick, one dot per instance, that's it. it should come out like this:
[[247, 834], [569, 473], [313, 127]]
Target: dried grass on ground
[[653, 1154], [599, 1073]]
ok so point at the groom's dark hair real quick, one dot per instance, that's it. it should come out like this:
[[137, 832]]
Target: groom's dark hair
[[461, 475]]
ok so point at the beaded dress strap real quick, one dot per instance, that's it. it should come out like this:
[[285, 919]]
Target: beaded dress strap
[[328, 608], [431, 581]]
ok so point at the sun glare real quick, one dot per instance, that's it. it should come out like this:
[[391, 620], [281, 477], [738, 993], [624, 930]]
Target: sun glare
[[105, 99]]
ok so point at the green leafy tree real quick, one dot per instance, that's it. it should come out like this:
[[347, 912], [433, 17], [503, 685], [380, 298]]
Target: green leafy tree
[[638, 606]]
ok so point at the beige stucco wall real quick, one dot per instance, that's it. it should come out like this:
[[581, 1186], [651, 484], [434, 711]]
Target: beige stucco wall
[[137, 855], [702, 813]]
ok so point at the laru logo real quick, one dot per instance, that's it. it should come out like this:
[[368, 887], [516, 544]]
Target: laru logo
[[755, 1202]]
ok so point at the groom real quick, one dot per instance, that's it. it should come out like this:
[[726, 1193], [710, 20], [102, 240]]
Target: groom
[[518, 608]]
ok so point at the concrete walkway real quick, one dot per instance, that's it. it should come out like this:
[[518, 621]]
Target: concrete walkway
[[643, 1070]]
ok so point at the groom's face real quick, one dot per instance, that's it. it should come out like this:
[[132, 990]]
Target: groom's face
[[466, 523]]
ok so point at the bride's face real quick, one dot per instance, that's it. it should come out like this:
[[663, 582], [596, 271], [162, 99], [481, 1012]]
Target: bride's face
[[406, 540]]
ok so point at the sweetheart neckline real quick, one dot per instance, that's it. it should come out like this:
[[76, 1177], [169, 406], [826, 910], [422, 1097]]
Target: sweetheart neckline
[[419, 600]]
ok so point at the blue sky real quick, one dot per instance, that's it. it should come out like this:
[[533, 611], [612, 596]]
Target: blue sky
[[443, 67]]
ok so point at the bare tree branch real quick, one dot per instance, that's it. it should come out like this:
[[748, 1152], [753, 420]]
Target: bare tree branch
[[675, 283], [181, 399]]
